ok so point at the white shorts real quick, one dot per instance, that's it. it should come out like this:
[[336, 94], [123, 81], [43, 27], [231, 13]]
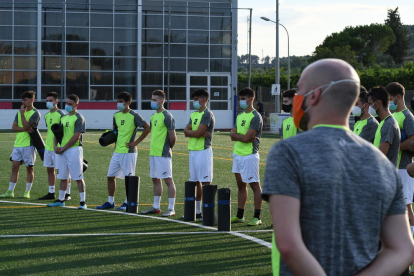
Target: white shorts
[[25, 154], [160, 167], [201, 165], [70, 163], [122, 164], [49, 159], [407, 182], [247, 166]]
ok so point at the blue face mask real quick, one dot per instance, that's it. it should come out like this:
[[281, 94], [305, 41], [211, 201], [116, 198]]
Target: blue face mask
[[120, 106], [393, 106], [68, 108], [50, 105], [243, 104], [154, 105], [196, 105]]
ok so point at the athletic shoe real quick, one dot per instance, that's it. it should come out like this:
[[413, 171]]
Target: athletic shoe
[[9, 193], [26, 194], [67, 197], [151, 210], [106, 205], [82, 205], [199, 217], [169, 213], [235, 219], [48, 196], [122, 207], [255, 222], [57, 203]]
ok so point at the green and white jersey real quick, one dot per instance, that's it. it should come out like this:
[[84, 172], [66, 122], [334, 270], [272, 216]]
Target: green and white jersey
[[244, 122], [405, 121], [127, 124], [288, 128], [388, 131], [52, 118], [160, 124], [72, 124], [33, 118], [366, 129], [204, 118]]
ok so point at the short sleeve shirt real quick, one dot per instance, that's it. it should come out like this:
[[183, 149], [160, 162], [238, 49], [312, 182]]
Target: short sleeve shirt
[[288, 128], [406, 122], [72, 124], [341, 213], [201, 118], [244, 122], [161, 123], [52, 118], [33, 118], [388, 131], [366, 129], [127, 124]]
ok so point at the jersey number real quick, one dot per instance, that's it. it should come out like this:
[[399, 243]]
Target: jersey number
[[287, 127], [67, 124], [243, 122], [50, 121], [195, 121], [155, 122], [122, 122]]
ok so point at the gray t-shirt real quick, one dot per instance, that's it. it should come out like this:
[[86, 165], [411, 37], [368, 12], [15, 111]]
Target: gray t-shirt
[[368, 132], [408, 126], [390, 132], [341, 208]]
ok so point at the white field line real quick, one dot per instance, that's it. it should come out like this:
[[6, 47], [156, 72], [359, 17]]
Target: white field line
[[235, 233]]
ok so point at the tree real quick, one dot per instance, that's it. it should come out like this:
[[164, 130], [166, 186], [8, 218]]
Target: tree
[[398, 49], [266, 60], [365, 41]]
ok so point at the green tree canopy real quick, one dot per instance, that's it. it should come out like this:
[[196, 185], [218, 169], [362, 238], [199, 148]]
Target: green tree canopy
[[398, 50]]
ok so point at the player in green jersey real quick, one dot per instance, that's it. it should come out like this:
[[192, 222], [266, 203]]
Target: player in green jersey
[[52, 117], [288, 127], [123, 162], [367, 125], [163, 139], [24, 152], [247, 133]]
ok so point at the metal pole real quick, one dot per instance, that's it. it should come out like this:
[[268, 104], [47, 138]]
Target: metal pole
[[250, 48], [277, 73], [169, 54], [288, 78], [62, 58]]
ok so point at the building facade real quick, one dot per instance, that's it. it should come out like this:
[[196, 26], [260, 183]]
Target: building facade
[[99, 48]]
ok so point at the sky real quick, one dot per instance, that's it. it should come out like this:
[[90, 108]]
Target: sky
[[309, 22]]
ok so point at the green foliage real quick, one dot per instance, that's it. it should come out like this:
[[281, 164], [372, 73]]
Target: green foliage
[[398, 49], [357, 45]]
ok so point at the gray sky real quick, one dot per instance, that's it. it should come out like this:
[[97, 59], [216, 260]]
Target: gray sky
[[309, 22]]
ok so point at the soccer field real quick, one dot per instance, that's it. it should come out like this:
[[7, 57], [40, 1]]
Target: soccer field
[[37, 240]]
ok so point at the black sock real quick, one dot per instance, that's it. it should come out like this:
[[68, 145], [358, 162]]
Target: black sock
[[240, 213], [257, 213]]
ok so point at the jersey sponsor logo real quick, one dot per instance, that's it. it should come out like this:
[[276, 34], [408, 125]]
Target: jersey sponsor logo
[[205, 177], [164, 173], [243, 123], [122, 122], [195, 121], [250, 177]]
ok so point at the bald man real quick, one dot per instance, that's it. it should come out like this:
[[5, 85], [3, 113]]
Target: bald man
[[326, 216]]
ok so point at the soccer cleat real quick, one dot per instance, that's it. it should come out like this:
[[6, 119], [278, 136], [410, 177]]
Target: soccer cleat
[[255, 222], [169, 213], [122, 207], [82, 205], [67, 197], [106, 205], [151, 210], [235, 219], [57, 203], [9, 193], [26, 194], [48, 196], [199, 217]]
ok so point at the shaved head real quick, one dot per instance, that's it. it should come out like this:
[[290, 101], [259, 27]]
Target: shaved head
[[340, 97]]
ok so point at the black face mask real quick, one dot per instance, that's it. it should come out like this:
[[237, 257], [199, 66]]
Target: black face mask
[[412, 104], [287, 107]]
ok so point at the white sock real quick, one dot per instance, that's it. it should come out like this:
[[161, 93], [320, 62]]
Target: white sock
[[198, 207], [28, 186], [157, 202], [171, 204], [51, 189], [111, 199], [126, 200], [412, 229], [82, 197], [12, 186], [68, 189], [62, 195]]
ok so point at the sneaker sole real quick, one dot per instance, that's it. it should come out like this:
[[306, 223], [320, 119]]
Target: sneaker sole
[[168, 215]]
